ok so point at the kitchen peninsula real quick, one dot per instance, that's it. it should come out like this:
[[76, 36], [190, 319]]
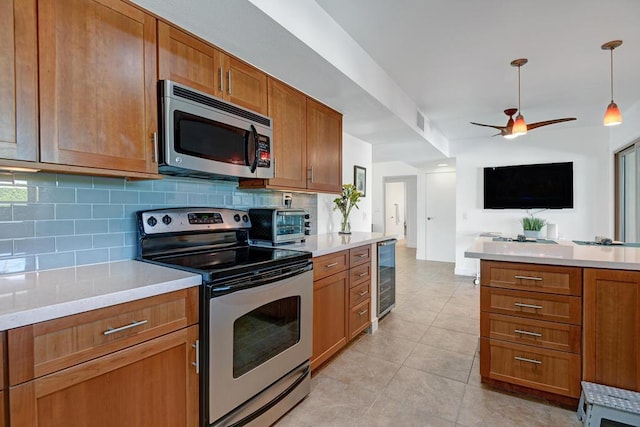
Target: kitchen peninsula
[[556, 313]]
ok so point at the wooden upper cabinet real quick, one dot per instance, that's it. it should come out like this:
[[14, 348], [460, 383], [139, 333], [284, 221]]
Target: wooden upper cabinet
[[188, 60], [324, 148], [288, 109], [244, 84], [18, 80], [612, 328], [98, 105]]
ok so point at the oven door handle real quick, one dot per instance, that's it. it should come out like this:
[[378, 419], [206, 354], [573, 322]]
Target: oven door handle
[[243, 283]]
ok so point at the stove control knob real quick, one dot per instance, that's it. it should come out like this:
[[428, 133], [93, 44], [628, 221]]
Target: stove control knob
[[236, 217], [245, 218], [152, 221], [166, 220]]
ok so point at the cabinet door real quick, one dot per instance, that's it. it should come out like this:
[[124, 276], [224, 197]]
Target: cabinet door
[[97, 84], [150, 384], [612, 328], [288, 109], [330, 299], [324, 148], [244, 85], [187, 60], [18, 80]]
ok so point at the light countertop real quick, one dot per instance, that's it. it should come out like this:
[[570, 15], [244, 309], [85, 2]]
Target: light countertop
[[37, 296], [563, 253], [323, 244]]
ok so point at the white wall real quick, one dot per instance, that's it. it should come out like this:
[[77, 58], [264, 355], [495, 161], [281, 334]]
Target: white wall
[[354, 152], [592, 213]]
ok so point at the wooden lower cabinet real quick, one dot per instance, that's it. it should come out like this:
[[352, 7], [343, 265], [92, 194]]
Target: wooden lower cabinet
[[341, 300], [149, 384], [612, 327], [531, 328], [553, 371], [330, 305]]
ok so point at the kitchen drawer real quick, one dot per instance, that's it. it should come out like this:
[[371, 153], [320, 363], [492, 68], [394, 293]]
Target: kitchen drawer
[[532, 277], [534, 305], [360, 274], [359, 318], [520, 330], [329, 264], [359, 293], [359, 255], [538, 368], [50, 346]]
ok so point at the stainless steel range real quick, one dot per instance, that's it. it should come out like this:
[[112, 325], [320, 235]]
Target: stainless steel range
[[256, 311]]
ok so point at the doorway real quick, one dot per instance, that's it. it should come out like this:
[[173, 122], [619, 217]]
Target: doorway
[[395, 209]]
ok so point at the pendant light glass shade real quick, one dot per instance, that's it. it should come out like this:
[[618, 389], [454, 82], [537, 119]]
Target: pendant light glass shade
[[612, 116], [519, 126]]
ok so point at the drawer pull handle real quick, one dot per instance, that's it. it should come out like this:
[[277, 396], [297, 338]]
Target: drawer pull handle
[[365, 255], [362, 274], [363, 293], [533, 334], [528, 278], [524, 359], [519, 304], [333, 264], [363, 312], [124, 328]]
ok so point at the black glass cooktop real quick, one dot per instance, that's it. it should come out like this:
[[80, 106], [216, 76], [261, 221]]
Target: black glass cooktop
[[233, 261]]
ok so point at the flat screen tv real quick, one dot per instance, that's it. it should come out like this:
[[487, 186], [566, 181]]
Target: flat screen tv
[[540, 186]]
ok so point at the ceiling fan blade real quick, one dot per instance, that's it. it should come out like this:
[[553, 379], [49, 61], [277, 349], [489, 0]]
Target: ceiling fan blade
[[500, 128], [549, 122]]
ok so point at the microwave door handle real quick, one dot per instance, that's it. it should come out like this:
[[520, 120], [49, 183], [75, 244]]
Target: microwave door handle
[[252, 134]]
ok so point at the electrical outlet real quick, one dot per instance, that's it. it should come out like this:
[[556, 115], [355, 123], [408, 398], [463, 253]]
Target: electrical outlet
[[287, 198]]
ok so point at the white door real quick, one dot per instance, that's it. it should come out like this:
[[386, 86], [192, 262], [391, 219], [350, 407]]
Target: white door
[[441, 216], [394, 208]]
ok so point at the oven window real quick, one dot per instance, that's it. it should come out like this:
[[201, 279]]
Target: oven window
[[209, 139], [290, 224], [264, 333]]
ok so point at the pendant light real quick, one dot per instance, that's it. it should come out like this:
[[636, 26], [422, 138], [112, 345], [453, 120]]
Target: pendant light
[[612, 116], [519, 126]]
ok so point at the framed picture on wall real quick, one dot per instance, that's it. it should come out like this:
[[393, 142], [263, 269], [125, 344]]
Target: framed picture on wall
[[360, 179]]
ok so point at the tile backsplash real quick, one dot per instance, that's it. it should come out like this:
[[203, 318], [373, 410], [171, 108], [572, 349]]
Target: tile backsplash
[[58, 220]]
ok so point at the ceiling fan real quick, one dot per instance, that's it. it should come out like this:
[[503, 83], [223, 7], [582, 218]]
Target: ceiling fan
[[518, 127], [506, 129]]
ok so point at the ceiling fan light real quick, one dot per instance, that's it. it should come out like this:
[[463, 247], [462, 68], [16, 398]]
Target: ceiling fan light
[[519, 126], [612, 116], [510, 136]]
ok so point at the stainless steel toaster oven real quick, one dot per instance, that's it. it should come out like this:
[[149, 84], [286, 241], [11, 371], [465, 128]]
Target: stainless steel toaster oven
[[278, 225]]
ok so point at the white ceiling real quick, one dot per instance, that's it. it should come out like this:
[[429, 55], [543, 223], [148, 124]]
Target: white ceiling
[[450, 57]]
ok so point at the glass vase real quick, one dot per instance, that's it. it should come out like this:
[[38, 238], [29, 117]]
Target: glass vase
[[345, 225]]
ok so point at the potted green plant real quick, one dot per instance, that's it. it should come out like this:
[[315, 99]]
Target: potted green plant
[[347, 201], [532, 226]]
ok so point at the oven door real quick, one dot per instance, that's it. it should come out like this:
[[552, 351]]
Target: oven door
[[257, 336]]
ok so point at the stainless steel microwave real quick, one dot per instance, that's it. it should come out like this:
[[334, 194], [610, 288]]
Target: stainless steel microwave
[[205, 136]]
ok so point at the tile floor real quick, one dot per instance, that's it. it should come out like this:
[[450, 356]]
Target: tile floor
[[421, 368]]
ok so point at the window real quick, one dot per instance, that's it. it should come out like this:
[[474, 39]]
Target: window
[[627, 209]]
